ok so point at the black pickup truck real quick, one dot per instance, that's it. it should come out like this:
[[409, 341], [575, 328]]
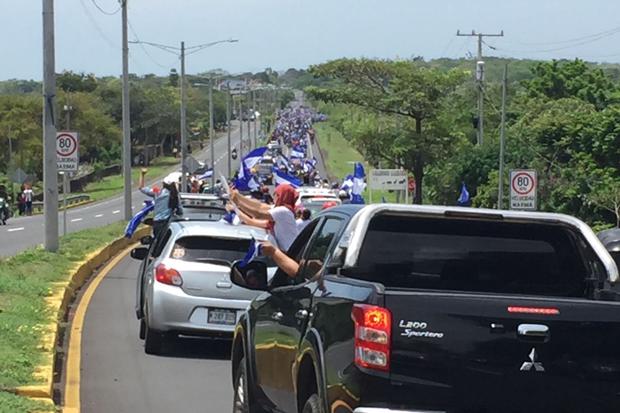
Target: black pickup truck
[[433, 309]]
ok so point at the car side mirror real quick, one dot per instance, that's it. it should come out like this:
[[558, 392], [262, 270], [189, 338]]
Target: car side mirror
[[146, 240], [139, 253], [148, 221], [251, 276]]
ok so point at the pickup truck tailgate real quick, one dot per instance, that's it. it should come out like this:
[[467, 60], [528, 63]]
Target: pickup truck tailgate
[[494, 315], [485, 354]]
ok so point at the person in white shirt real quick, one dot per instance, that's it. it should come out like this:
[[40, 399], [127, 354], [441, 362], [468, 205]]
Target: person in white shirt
[[303, 220], [279, 220]]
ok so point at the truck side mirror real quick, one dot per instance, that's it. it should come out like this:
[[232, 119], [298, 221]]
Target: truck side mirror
[[251, 276]]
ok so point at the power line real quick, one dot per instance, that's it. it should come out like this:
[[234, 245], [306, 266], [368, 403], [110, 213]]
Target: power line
[[556, 49], [573, 40], [97, 27], [104, 11], [133, 31]]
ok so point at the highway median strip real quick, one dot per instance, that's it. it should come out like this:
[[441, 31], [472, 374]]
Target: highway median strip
[[36, 288]]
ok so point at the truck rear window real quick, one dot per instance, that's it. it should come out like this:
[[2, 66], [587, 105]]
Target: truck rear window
[[473, 255]]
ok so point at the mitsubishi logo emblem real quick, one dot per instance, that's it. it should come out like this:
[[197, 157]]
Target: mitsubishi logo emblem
[[536, 365]]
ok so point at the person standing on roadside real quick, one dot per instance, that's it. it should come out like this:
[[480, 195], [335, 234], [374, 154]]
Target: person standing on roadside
[[28, 195], [279, 219], [166, 203]]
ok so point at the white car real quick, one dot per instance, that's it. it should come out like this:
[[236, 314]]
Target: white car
[[184, 282]]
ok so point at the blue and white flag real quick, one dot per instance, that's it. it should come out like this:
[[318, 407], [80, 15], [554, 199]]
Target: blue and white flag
[[464, 197], [254, 157], [284, 178], [208, 174], [358, 184], [246, 181], [298, 153], [132, 225], [231, 218], [256, 250], [347, 184]]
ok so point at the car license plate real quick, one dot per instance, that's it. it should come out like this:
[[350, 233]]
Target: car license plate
[[222, 316]]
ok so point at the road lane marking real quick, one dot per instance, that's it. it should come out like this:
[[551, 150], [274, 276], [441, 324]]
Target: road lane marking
[[98, 215], [118, 211], [15, 229], [77, 219], [74, 350]]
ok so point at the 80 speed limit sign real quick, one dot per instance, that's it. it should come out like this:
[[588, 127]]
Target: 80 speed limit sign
[[523, 189], [67, 145]]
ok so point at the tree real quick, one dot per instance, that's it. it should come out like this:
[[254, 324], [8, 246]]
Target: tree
[[410, 97], [69, 81], [557, 80]]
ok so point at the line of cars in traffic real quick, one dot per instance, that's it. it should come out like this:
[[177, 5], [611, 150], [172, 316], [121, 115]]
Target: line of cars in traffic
[[396, 309]]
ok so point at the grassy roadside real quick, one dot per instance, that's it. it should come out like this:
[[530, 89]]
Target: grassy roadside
[[338, 155], [113, 185], [25, 280]]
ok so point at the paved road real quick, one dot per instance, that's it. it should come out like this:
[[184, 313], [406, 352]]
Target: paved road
[[117, 376], [26, 232]]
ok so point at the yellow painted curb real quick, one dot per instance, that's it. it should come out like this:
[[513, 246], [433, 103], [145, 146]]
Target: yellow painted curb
[[58, 301], [72, 402]]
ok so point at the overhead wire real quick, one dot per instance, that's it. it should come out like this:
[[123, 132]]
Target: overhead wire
[[97, 27], [107, 13], [141, 44]]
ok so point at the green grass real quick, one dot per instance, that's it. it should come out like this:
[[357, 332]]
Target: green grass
[[339, 155], [25, 280], [113, 185], [10, 403]]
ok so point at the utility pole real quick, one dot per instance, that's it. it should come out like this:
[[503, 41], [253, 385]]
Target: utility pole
[[183, 123], [228, 126], [240, 116], [50, 170], [211, 131], [500, 190], [255, 119], [480, 77], [126, 120]]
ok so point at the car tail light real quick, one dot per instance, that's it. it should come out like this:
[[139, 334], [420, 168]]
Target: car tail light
[[373, 326], [534, 310], [168, 276]]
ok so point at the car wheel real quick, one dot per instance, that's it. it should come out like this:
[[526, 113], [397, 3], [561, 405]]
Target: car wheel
[[153, 341], [242, 399], [142, 329], [313, 405]]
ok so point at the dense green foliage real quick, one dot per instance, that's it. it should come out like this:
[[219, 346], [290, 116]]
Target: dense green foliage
[[563, 119]]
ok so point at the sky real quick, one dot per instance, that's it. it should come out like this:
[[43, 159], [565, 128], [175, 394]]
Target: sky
[[296, 33]]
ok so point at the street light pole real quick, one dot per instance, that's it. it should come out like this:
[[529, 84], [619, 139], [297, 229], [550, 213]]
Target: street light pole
[[183, 122], [211, 132], [50, 170], [228, 126], [126, 120]]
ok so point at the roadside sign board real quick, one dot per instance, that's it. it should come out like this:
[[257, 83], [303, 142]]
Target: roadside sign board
[[388, 179], [67, 145], [523, 189]]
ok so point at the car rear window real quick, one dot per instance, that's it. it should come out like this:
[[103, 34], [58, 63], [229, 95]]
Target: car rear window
[[209, 249], [473, 255]]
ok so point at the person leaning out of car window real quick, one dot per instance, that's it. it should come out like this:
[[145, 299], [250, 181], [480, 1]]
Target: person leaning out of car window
[[166, 202]]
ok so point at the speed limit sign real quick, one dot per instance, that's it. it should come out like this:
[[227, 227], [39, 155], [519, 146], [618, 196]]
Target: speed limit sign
[[523, 189], [67, 145]]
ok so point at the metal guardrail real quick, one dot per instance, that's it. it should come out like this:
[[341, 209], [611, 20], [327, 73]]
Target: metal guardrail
[[37, 206]]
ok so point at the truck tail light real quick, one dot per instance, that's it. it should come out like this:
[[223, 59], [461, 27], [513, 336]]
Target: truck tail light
[[168, 276], [373, 327]]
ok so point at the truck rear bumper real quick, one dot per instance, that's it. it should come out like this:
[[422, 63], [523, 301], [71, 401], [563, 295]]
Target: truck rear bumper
[[383, 410]]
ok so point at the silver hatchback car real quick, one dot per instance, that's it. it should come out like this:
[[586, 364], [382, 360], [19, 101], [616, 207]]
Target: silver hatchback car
[[184, 283]]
